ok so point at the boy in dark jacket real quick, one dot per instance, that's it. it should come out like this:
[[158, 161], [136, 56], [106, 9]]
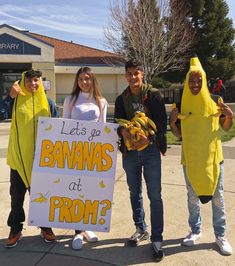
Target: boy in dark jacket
[[142, 97]]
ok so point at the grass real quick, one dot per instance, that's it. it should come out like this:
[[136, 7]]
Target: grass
[[225, 136]]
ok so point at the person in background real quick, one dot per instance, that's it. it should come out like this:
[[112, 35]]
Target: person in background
[[219, 88], [26, 102], [85, 103], [142, 97], [202, 158]]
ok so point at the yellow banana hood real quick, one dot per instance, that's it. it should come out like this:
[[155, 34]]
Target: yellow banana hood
[[26, 110], [201, 148]]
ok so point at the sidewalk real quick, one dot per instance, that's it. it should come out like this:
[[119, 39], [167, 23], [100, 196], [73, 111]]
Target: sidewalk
[[111, 249]]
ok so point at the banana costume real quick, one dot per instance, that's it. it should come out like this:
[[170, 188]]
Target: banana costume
[[27, 108], [201, 148]]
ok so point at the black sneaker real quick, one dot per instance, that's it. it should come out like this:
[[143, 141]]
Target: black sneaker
[[157, 250], [137, 237]]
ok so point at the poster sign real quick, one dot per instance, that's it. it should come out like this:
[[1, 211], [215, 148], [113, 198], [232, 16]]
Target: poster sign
[[46, 85], [73, 174]]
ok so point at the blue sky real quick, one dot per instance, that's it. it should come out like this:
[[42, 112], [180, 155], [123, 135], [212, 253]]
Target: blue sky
[[80, 21]]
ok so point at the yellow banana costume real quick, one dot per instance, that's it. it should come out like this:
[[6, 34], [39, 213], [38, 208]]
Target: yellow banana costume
[[201, 148], [27, 108]]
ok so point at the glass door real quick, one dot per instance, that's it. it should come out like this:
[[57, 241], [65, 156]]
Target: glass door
[[6, 81]]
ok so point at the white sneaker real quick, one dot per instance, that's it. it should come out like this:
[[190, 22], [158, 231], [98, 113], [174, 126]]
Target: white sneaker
[[191, 239], [90, 236], [77, 241], [224, 245]]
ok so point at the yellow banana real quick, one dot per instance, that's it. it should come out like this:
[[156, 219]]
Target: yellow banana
[[134, 130], [146, 133], [136, 123], [173, 106], [151, 132], [22, 93], [139, 114], [137, 137], [152, 124], [143, 147], [128, 144], [220, 100], [125, 125], [142, 122], [122, 120], [181, 116]]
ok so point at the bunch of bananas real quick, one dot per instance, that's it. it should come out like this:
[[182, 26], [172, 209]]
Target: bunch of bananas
[[140, 124]]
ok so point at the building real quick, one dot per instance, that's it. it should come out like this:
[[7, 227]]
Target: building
[[58, 60]]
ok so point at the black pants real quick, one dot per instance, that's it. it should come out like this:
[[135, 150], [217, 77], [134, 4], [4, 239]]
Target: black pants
[[17, 192]]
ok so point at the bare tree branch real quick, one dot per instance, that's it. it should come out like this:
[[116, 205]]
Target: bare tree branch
[[156, 32]]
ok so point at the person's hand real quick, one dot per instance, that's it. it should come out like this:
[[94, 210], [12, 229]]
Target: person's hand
[[226, 110], [174, 116], [125, 132], [15, 89], [143, 141]]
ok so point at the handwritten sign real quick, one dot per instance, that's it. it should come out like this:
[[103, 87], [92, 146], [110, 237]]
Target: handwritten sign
[[73, 174]]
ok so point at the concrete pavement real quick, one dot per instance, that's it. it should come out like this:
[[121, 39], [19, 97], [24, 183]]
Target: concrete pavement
[[111, 249]]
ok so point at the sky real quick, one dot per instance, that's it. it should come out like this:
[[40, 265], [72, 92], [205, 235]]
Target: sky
[[80, 21]]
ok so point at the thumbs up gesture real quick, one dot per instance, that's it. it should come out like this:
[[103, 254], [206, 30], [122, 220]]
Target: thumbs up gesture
[[15, 90]]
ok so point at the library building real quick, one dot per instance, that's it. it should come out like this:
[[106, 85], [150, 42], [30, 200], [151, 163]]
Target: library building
[[59, 62]]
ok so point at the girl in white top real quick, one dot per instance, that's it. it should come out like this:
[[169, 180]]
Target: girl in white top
[[85, 103]]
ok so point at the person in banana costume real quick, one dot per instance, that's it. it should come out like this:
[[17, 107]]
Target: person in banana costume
[[201, 117], [26, 101], [141, 111]]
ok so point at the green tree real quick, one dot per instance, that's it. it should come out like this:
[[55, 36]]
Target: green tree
[[214, 41], [214, 38]]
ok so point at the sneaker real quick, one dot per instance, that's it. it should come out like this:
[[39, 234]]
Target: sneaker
[[13, 239], [47, 234], [137, 237], [157, 251], [77, 241], [224, 245], [191, 239], [90, 236]]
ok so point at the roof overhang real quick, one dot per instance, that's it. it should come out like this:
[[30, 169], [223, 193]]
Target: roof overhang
[[95, 69]]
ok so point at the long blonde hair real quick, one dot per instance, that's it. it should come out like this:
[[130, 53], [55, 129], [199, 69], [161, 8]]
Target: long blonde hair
[[94, 92]]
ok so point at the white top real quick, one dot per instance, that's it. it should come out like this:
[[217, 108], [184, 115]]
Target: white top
[[85, 109]]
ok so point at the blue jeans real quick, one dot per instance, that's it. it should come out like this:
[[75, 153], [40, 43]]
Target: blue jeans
[[148, 161], [218, 208]]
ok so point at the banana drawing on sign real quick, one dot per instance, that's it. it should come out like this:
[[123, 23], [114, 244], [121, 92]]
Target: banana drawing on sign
[[49, 127], [42, 198], [107, 130], [102, 184]]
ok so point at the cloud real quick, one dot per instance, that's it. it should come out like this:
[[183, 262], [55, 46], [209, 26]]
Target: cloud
[[69, 19]]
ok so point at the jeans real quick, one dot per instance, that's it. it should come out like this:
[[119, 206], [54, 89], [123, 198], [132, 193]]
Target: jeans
[[148, 161], [218, 208]]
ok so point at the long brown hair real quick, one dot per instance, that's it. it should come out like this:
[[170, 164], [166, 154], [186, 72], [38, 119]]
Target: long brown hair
[[94, 92]]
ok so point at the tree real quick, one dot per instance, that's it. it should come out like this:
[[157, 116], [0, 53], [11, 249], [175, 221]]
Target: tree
[[214, 37], [155, 32]]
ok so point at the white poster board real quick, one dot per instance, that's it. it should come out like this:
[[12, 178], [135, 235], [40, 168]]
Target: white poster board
[[73, 174]]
